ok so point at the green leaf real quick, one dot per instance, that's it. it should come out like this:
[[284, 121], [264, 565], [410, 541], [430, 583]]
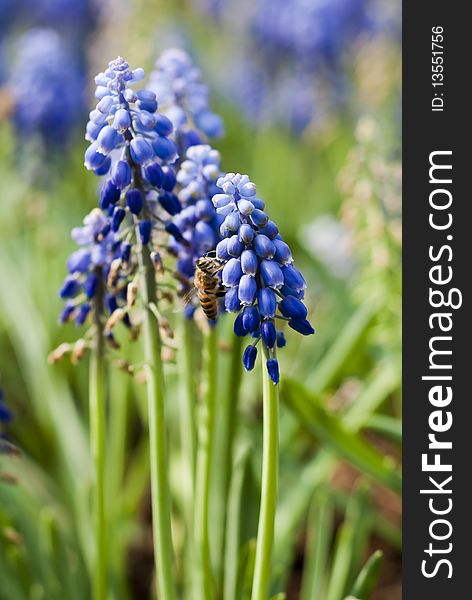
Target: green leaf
[[294, 504], [330, 430], [368, 577], [320, 523], [342, 562], [343, 346], [384, 381], [233, 524], [246, 562], [359, 512], [388, 426]]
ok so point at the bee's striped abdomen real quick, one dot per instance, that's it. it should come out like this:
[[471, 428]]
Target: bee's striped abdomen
[[209, 305]]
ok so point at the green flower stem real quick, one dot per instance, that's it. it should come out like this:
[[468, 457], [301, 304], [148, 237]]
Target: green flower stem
[[160, 492], [204, 461], [188, 439], [187, 409], [97, 442], [160, 495], [230, 409], [265, 529], [223, 454]]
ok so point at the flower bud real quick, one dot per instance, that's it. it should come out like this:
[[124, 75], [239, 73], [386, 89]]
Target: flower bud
[[93, 159], [249, 262], [91, 285], [141, 150], [302, 326], [121, 174], [222, 250], [67, 313], [110, 194], [248, 190], [293, 278], [259, 218], [272, 274], [164, 148], [268, 333], [122, 119], [108, 139], [234, 246], [232, 303], [245, 207], [169, 180], [170, 203], [220, 200], [246, 233], [146, 119], [82, 313], [263, 246], [232, 272], [154, 174], [267, 302], [239, 329], [134, 200], [164, 125], [249, 357], [281, 341], [117, 219], [145, 232], [247, 289], [293, 308], [250, 318], [70, 288], [273, 369], [79, 261], [270, 230], [104, 168], [283, 255]]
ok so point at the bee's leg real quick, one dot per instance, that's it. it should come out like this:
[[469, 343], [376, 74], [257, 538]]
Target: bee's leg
[[220, 292]]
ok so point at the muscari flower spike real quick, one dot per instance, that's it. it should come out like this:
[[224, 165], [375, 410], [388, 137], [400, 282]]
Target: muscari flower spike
[[47, 85], [131, 145], [183, 97], [102, 265], [198, 223], [261, 282]]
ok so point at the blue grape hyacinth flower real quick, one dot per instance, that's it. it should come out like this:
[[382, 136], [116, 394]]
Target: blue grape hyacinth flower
[[198, 223], [89, 266], [290, 67], [262, 284], [131, 146], [184, 98], [47, 86]]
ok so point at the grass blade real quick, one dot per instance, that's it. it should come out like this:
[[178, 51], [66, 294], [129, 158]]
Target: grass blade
[[320, 521], [368, 577], [342, 562], [233, 524], [330, 430], [344, 344]]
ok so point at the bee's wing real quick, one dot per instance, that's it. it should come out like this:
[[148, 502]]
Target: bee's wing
[[189, 296]]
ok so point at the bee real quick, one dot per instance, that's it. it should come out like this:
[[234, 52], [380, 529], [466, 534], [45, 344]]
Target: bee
[[208, 285]]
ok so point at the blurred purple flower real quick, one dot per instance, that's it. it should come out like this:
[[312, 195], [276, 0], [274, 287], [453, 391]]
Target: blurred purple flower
[[47, 86]]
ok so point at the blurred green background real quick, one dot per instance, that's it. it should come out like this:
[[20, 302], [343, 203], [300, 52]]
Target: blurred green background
[[330, 176]]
